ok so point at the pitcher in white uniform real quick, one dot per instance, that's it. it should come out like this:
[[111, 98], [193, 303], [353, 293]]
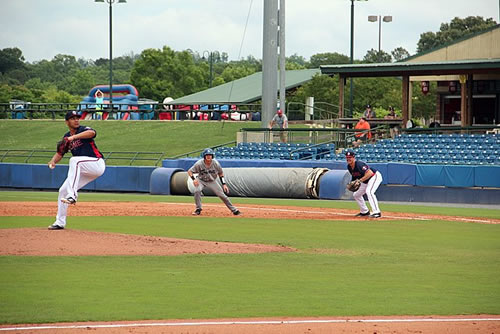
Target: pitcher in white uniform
[[86, 165]]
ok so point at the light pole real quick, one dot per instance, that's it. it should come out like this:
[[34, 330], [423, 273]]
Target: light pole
[[210, 55], [352, 54], [375, 18], [111, 2]]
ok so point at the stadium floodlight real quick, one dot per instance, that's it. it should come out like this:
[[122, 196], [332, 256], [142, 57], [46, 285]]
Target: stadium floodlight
[[111, 2]]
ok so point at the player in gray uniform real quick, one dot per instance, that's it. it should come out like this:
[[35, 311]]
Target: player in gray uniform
[[208, 169]]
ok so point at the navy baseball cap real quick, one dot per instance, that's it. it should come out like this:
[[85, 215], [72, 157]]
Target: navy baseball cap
[[350, 153], [70, 114]]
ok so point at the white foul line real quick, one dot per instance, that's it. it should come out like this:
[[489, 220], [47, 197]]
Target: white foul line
[[347, 214], [262, 322], [301, 211]]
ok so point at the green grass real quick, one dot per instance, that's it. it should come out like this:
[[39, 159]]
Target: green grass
[[172, 138], [341, 268]]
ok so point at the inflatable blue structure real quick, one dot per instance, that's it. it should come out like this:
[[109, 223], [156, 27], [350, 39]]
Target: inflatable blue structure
[[125, 100]]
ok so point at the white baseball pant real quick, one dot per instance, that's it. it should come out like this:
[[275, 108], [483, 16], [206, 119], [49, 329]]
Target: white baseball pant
[[369, 189], [82, 170], [217, 190]]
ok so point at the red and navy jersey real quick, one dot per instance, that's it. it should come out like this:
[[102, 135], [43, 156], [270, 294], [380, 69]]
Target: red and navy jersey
[[84, 147], [359, 170]]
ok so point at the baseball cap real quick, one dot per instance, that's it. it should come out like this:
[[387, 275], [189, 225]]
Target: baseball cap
[[70, 114], [350, 153], [368, 106], [280, 111]]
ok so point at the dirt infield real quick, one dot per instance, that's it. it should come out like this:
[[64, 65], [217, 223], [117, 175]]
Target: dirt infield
[[481, 324], [69, 242], [49, 209]]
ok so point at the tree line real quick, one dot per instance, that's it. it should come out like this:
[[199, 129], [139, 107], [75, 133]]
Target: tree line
[[158, 73]]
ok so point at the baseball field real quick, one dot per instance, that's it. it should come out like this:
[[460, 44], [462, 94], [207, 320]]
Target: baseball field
[[130, 263]]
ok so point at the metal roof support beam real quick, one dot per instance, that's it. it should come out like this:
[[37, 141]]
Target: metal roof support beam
[[470, 99], [406, 99], [463, 100], [342, 81]]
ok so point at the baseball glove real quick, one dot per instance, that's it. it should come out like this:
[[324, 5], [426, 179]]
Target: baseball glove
[[63, 146], [353, 185]]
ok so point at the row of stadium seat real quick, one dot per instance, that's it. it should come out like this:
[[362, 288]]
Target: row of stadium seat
[[408, 148], [464, 149], [282, 151]]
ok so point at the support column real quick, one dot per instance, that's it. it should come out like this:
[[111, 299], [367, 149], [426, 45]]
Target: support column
[[269, 62], [341, 95], [463, 100], [406, 99], [470, 99]]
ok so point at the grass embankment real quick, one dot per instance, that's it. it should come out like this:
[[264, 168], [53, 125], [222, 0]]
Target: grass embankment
[[172, 138]]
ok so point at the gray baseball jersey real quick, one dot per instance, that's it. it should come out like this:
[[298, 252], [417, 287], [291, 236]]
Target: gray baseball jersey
[[207, 174], [279, 120]]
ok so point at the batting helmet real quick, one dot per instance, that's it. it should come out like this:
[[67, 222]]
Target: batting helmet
[[208, 151]]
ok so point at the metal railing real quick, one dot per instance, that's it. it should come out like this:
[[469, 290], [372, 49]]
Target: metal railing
[[191, 153], [58, 110], [339, 136], [28, 156], [320, 113]]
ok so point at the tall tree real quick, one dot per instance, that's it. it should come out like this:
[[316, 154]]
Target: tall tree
[[399, 53], [325, 91], [296, 59], [11, 59], [454, 30], [161, 73], [328, 58], [374, 56]]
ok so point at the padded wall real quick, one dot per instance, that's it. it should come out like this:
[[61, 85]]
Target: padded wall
[[400, 193], [392, 173], [487, 176], [115, 178]]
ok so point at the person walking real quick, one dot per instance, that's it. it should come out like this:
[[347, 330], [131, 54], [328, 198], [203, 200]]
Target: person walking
[[86, 165], [207, 170], [281, 120], [370, 180]]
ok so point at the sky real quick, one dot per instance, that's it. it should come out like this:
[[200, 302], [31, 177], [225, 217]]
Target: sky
[[43, 29]]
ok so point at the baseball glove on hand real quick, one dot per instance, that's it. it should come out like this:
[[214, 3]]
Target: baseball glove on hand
[[63, 146], [353, 185]]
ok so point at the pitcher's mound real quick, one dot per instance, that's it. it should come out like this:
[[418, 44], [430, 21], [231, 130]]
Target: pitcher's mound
[[69, 242]]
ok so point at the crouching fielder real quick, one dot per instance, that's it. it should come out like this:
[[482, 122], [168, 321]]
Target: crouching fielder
[[370, 181], [207, 170], [85, 166]]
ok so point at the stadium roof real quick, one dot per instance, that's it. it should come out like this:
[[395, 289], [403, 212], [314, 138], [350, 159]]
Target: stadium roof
[[473, 66], [244, 90]]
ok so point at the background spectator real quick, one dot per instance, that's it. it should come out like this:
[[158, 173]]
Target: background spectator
[[362, 136], [281, 120], [393, 128]]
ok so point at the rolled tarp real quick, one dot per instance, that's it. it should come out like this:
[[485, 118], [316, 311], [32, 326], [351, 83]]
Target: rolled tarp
[[260, 182]]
